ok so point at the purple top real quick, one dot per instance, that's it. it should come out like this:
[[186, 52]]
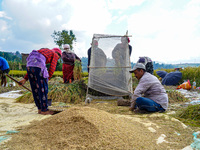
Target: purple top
[[36, 59]]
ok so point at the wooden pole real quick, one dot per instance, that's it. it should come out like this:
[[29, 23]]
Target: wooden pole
[[18, 82]]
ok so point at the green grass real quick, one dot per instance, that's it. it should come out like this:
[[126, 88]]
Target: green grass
[[189, 115], [19, 73]]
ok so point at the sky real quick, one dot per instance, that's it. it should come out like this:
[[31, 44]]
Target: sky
[[167, 31]]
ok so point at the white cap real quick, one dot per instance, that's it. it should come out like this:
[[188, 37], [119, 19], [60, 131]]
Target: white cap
[[66, 46], [138, 65]]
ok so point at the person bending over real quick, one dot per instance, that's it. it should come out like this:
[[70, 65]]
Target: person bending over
[[4, 69], [38, 75]]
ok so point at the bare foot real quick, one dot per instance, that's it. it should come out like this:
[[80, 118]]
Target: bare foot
[[39, 111], [139, 111], [48, 112], [131, 108]]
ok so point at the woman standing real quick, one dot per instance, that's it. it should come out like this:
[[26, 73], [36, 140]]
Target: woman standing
[[68, 58], [38, 75]]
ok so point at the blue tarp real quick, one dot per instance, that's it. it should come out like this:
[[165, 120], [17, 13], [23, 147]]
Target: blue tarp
[[161, 74], [172, 78]]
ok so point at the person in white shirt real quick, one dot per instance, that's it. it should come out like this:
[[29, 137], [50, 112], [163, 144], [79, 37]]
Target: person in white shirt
[[149, 95]]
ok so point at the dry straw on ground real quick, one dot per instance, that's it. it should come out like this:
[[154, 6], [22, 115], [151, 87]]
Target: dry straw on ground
[[90, 128]]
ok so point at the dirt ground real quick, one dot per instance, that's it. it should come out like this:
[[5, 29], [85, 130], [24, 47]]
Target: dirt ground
[[89, 127], [13, 115]]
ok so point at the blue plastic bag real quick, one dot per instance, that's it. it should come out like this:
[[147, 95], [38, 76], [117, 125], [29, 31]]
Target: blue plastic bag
[[196, 143]]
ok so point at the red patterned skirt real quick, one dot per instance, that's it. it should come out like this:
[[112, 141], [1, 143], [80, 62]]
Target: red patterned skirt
[[67, 72]]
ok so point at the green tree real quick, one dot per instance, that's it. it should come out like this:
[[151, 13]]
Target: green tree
[[18, 54], [64, 37]]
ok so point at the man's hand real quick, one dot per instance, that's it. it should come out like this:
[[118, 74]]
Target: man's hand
[[132, 108], [22, 82]]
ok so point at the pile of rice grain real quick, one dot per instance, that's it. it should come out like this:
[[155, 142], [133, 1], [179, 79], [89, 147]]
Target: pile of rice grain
[[84, 128]]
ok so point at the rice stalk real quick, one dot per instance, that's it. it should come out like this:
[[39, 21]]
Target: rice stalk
[[77, 70], [25, 98]]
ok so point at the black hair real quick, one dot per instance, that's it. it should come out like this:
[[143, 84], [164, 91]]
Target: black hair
[[141, 69]]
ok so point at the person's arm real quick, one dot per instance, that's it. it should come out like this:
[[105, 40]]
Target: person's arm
[[26, 76], [139, 90], [89, 55], [77, 58], [22, 82], [130, 49], [142, 87], [53, 64]]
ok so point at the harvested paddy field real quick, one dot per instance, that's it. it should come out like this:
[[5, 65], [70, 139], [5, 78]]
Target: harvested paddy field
[[98, 125]]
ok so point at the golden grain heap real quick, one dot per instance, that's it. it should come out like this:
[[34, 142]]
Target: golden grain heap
[[86, 128]]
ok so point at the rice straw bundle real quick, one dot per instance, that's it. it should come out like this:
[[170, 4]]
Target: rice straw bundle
[[77, 70]]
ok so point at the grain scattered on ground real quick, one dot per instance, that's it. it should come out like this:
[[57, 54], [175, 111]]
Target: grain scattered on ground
[[90, 128]]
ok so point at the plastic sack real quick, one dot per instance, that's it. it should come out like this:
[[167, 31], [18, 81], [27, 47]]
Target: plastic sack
[[161, 74], [185, 85], [196, 143], [172, 78], [3, 138]]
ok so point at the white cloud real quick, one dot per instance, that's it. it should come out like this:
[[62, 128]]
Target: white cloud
[[3, 15], [3, 40], [37, 19], [125, 4], [45, 22], [122, 18], [90, 16], [36, 1], [59, 17], [166, 35], [4, 29], [164, 30]]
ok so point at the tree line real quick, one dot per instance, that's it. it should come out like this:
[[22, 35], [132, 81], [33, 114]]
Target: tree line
[[15, 62]]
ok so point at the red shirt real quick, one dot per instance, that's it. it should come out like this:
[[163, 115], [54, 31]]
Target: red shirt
[[51, 58]]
